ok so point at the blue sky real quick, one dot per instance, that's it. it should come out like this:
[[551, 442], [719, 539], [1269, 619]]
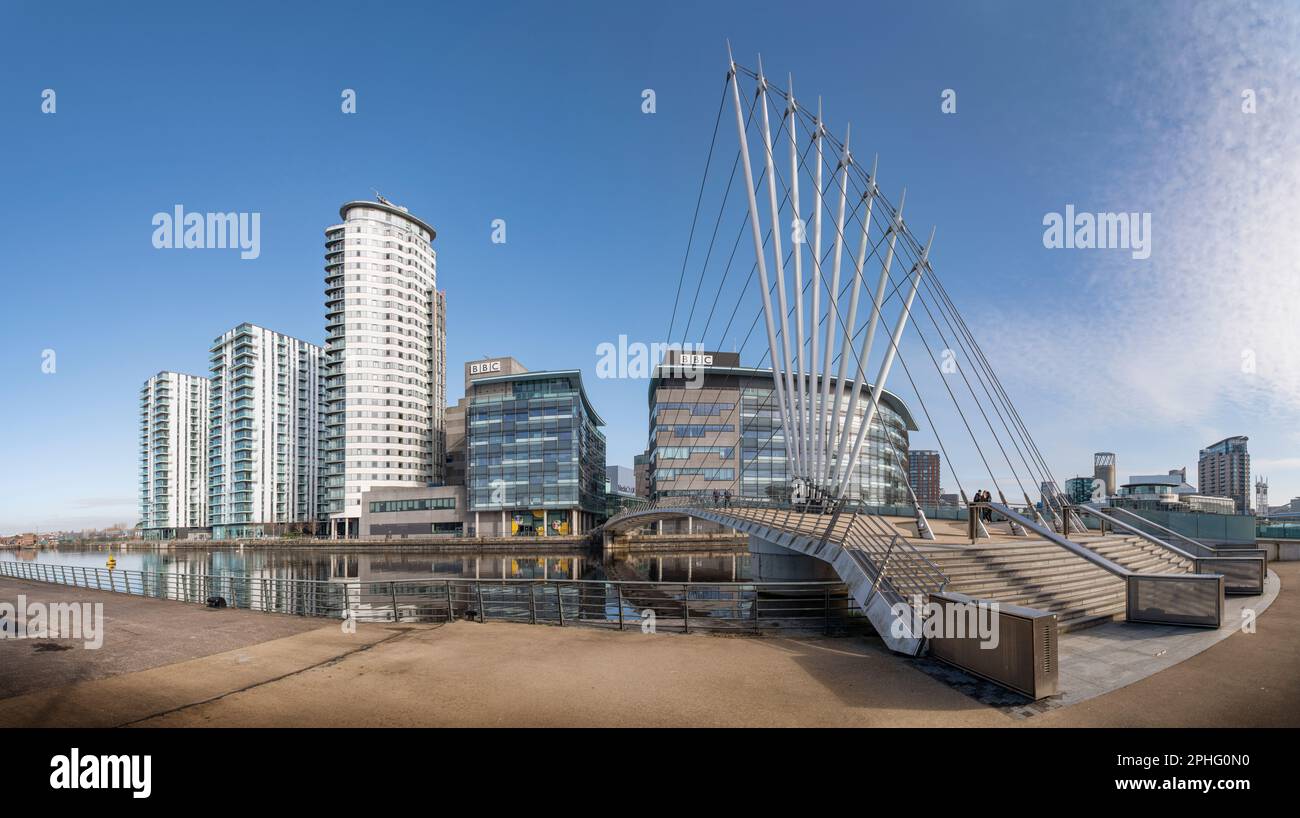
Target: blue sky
[[531, 113]]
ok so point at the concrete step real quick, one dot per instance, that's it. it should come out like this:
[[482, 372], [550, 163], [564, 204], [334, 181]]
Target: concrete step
[[1030, 566], [1037, 586], [1077, 599], [1149, 563], [1057, 600], [1040, 574], [1150, 546], [1047, 577], [1088, 619], [995, 550], [1147, 558], [1163, 553], [1006, 577], [999, 553], [986, 555], [1026, 568]]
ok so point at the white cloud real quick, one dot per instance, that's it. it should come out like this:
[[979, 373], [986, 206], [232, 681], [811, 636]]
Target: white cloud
[[1161, 342]]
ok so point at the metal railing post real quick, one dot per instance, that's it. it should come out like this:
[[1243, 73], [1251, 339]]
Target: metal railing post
[[826, 610], [880, 574], [618, 590], [723, 601], [482, 612], [686, 609]]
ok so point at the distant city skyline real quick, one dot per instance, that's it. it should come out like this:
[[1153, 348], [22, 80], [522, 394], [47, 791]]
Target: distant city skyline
[[537, 124]]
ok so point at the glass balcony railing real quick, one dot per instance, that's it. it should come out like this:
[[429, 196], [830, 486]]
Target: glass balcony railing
[[1268, 529]]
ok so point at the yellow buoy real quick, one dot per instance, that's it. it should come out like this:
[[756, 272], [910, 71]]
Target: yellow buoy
[[112, 562]]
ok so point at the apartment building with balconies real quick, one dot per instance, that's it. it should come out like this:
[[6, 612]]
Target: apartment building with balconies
[[173, 486], [264, 433]]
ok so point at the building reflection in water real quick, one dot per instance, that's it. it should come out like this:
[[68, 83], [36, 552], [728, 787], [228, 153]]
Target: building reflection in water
[[327, 566], [360, 583], [344, 566]]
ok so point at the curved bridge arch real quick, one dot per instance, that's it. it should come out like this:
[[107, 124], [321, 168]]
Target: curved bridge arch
[[880, 568]]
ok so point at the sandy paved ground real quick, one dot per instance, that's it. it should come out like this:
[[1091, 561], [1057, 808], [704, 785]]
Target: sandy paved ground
[[139, 633], [504, 674]]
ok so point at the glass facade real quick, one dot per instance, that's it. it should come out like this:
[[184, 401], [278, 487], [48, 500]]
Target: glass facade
[[422, 504], [264, 427], [724, 434], [879, 478], [173, 454], [1079, 489], [533, 443]]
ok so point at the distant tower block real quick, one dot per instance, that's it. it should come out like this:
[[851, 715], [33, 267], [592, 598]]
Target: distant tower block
[[1103, 469], [1261, 496]]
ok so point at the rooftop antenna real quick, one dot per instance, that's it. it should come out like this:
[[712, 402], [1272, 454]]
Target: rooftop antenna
[[380, 197]]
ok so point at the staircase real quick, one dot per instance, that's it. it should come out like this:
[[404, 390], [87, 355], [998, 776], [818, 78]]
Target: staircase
[[1136, 554], [1035, 574], [1042, 575], [1029, 571]]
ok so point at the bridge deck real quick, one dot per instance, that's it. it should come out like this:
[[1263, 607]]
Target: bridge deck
[[947, 532], [1026, 570]]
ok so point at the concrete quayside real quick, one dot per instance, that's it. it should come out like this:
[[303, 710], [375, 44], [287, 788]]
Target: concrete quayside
[[167, 663]]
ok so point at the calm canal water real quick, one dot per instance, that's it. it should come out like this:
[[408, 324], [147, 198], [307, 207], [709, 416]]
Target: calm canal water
[[324, 563]]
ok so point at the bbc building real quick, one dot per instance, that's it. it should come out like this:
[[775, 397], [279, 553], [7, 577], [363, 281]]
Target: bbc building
[[525, 457], [535, 455], [716, 426]]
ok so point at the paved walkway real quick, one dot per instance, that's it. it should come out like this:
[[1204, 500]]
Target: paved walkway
[[1098, 660], [503, 674], [139, 633], [1246, 680]]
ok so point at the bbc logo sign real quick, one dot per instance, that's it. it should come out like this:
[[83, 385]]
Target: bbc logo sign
[[484, 367]]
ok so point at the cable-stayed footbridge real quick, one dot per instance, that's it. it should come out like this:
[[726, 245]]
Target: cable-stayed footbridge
[[849, 301]]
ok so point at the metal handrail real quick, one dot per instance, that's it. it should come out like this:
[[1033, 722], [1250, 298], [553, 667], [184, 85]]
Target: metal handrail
[[1213, 552], [1151, 538], [913, 573], [1050, 535], [924, 574], [683, 606], [71, 570]]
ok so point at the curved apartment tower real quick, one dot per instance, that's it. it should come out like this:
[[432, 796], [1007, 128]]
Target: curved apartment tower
[[385, 359]]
